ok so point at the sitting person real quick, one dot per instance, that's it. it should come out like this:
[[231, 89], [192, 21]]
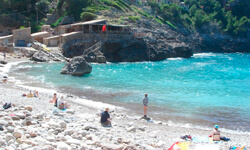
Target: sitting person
[[62, 104], [216, 133], [30, 94], [5, 78], [35, 93], [54, 100], [105, 118]]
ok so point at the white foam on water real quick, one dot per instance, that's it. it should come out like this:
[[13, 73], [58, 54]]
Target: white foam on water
[[199, 55], [4, 70], [177, 58], [94, 104], [188, 125]]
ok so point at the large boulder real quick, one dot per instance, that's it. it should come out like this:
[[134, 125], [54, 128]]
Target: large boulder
[[182, 51], [77, 67], [41, 57]]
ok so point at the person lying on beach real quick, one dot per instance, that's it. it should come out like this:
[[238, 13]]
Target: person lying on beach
[[105, 118], [62, 104]]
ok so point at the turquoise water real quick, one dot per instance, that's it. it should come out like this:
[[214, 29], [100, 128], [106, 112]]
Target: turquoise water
[[205, 89]]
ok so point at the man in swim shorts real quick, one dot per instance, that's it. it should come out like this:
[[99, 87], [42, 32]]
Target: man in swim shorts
[[145, 104]]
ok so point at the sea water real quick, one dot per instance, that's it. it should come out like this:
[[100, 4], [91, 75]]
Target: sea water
[[206, 89]]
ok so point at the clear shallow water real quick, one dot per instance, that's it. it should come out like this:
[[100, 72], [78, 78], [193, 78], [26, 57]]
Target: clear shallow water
[[204, 90]]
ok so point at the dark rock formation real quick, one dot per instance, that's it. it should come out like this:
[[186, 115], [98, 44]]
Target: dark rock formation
[[41, 57], [77, 67]]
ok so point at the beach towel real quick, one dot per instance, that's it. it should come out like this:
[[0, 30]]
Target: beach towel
[[207, 147], [180, 146], [200, 139], [237, 148], [56, 110], [184, 145]]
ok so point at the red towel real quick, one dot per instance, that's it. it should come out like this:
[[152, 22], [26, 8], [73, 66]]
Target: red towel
[[172, 147]]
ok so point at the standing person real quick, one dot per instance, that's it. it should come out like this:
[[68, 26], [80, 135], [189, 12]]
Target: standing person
[[55, 100], [4, 55], [145, 103], [105, 118]]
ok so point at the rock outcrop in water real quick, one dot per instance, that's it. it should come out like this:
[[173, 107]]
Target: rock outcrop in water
[[77, 67], [41, 57]]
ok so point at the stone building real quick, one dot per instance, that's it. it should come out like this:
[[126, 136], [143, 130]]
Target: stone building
[[39, 36], [5, 40], [21, 37]]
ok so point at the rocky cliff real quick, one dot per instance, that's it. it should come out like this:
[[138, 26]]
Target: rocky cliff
[[160, 42]]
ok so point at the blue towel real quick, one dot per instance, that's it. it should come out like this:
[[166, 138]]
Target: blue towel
[[200, 139]]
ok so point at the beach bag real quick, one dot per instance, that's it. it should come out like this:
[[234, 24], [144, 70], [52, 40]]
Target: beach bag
[[7, 105]]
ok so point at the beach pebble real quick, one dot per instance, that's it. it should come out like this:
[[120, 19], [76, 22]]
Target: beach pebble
[[158, 122], [131, 129], [25, 146], [7, 118], [15, 118], [63, 125], [20, 115], [18, 134], [50, 138], [3, 122], [12, 145], [73, 141], [32, 134], [110, 146], [88, 142], [141, 128], [29, 108], [70, 111], [9, 137], [68, 132], [63, 146], [10, 148], [10, 129], [83, 133], [89, 137], [130, 124], [3, 143], [159, 143]]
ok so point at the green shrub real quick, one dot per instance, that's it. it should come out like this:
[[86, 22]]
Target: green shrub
[[133, 18], [170, 24], [87, 16], [113, 4]]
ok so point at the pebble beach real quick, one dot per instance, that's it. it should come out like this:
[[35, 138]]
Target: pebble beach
[[31, 125]]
